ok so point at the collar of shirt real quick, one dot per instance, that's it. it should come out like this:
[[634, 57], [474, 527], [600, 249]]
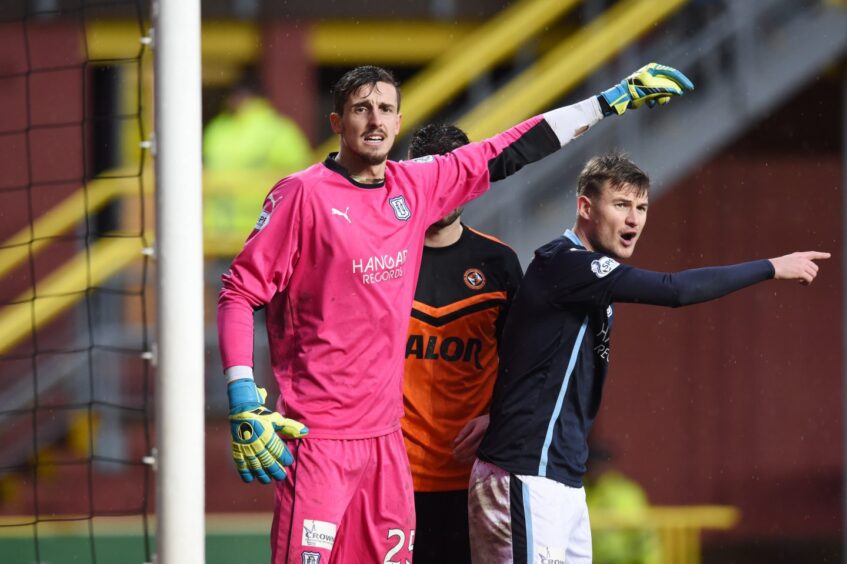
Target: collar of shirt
[[572, 236]]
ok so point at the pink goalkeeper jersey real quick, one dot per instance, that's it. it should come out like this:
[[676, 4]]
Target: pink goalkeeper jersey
[[336, 263]]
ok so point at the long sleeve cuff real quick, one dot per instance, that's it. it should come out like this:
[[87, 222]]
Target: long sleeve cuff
[[570, 122], [234, 373]]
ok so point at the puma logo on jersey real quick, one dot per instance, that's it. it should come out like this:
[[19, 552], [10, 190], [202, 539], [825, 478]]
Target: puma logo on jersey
[[342, 213], [451, 349]]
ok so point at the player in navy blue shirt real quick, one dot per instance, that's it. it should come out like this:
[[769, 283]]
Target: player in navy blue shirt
[[526, 501]]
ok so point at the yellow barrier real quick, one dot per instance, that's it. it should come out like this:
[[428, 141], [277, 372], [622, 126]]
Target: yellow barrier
[[566, 66], [65, 287], [65, 215], [382, 42], [679, 528], [227, 45]]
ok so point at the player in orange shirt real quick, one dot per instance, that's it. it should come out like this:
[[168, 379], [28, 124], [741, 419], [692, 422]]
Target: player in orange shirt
[[466, 283]]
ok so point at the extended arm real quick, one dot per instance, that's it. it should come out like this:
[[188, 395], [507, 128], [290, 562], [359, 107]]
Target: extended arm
[[704, 284], [467, 172], [651, 84], [689, 286]]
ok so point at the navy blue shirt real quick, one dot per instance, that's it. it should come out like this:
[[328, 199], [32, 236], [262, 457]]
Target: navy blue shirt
[[555, 350]]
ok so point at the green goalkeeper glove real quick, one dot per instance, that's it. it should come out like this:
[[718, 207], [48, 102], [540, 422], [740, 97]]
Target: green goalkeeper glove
[[256, 448], [651, 84]]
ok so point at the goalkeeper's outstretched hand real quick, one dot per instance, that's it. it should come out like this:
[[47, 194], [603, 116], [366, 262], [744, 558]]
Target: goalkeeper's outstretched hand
[[651, 84], [257, 450]]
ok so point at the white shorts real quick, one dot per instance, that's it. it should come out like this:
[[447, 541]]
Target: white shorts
[[518, 519]]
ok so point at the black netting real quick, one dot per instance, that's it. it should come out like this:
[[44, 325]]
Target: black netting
[[75, 375]]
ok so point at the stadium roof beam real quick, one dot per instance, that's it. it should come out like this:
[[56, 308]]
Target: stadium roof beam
[[229, 45], [408, 43]]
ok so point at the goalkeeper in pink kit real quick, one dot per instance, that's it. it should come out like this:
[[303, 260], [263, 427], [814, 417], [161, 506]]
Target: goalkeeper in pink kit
[[334, 258]]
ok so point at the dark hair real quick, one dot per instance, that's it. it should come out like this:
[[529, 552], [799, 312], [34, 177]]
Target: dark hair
[[248, 81], [354, 79], [617, 169], [436, 139]]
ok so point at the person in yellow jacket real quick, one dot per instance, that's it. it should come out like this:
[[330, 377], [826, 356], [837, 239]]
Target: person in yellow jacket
[[608, 490], [246, 142]]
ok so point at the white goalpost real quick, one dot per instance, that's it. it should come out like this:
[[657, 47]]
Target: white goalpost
[[180, 390]]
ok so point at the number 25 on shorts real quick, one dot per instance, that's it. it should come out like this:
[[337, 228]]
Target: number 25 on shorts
[[398, 546]]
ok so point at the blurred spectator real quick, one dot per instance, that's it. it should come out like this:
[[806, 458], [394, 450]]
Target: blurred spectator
[[251, 134], [248, 135], [609, 490]]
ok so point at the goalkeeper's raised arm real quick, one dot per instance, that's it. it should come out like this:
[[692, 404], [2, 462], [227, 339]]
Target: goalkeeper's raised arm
[[466, 173]]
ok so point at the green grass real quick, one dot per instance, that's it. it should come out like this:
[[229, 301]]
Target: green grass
[[229, 538], [223, 549]]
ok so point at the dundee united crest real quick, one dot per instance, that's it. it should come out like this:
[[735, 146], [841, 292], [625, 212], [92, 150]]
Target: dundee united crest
[[401, 210], [474, 279]]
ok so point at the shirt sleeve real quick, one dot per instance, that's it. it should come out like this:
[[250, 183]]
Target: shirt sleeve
[[260, 271], [467, 172], [579, 276], [689, 286]]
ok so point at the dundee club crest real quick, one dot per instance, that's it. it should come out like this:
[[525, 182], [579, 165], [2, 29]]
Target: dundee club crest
[[401, 210], [309, 557]]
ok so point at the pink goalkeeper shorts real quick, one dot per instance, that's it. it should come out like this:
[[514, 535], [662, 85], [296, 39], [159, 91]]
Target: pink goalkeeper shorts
[[345, 501]]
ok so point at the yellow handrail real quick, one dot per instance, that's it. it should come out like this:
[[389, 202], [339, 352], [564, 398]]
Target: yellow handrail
[[66, 286], [565, 66], [678, 527], [65, 215], [469, 58]]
